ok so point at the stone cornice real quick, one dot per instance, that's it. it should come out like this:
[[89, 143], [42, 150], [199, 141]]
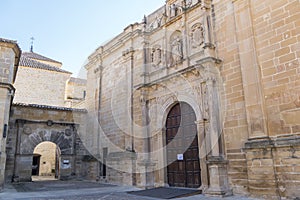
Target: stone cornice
[[48, 122], [180, 72], [268, 142], [46, 107]]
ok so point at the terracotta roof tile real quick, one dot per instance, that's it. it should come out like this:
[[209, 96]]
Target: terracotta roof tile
[[27, 62], [39, 57]]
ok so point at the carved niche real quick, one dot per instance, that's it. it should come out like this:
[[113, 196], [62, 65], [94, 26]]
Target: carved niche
[[176, 48], [197, 35]]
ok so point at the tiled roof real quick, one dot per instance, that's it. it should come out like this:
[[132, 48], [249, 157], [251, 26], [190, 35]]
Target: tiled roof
[[38, 57], [50, 107], [77, 80], [27, 62]]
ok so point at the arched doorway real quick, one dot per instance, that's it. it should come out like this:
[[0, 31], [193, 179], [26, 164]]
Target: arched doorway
[[45, 162], [183, 168]]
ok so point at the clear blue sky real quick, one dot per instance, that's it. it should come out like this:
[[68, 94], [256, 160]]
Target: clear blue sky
[[69, 30]]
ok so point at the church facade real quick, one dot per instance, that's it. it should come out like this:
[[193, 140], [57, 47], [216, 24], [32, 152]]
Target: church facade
[[201, 94]]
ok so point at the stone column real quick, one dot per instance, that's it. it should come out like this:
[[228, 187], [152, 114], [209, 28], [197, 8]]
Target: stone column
[[203, 151], [250, 70], [147, 175], [217, 165]]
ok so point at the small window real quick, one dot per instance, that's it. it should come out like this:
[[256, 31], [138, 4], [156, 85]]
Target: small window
[[84, 94]]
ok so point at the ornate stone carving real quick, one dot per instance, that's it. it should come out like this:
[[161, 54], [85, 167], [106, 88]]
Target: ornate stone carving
[[27, 130], [156, 23], [68, 132], [197, 35], [205, 103], [173, 10], [188, 3], [166, 99], [156, 56]]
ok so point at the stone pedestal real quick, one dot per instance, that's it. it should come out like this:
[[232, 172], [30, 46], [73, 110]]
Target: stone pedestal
[[218, 178], [2, 169], [121, 167], [146, 169]]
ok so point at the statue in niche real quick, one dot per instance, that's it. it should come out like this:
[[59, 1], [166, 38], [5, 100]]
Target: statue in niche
[[156, 23], [205, 103], [188, 3], [197, 35], [176, 50], [173, 10], [156, 56]]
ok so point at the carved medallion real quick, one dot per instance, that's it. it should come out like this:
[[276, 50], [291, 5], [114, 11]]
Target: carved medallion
[[27, 130], [68, 132]]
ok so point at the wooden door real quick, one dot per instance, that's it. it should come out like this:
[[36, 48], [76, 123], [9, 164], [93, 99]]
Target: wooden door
[[181, 139]]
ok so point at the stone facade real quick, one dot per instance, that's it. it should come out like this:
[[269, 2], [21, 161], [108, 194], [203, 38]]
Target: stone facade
[[236, 63], [9, 60]]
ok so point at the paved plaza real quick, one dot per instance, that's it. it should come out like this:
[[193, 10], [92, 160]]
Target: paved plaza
[[81, 190]]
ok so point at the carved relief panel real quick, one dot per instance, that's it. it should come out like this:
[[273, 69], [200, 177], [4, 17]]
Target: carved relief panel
[[197, 35], [156, 55]]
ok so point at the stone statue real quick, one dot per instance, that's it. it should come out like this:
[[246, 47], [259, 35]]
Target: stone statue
[[176, 49], [173, 10]]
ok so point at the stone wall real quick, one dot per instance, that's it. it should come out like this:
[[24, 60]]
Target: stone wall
[[242, 55], [40, 86], [258, 43], [75, 93], [9, 60]]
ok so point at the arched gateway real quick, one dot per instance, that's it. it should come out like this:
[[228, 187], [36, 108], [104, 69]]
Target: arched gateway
[[182, 147], [31, 125]]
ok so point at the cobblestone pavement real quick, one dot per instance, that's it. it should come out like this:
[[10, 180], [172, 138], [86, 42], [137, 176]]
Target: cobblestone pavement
[[82, 190]]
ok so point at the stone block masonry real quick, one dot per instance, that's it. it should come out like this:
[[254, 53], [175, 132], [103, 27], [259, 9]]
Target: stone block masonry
[[9, 60]]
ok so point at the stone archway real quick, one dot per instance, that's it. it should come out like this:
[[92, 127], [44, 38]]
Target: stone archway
[[32, 133], [45, 165]]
